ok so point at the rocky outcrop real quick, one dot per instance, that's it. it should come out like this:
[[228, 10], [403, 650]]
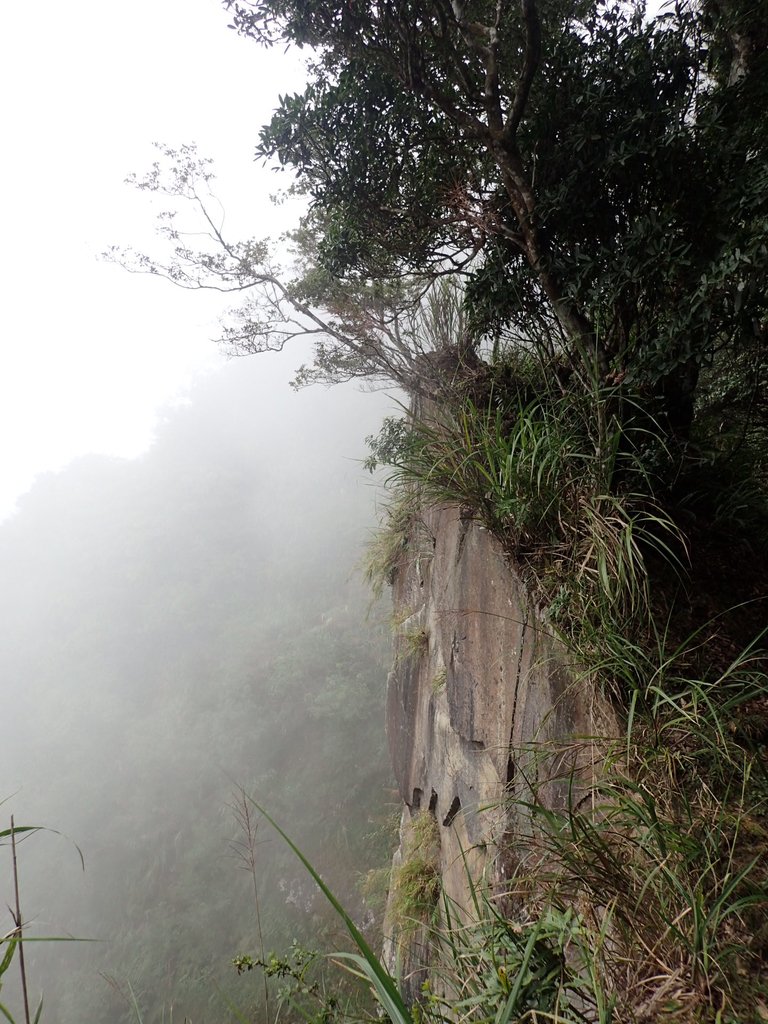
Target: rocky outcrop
[[483, 711]]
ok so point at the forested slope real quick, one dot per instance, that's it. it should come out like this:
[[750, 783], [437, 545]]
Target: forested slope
[[176, 626]]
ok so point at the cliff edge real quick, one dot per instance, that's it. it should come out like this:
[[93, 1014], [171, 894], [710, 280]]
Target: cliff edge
[[484, 715]]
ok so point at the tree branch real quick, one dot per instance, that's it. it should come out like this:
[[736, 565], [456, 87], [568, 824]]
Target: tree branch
[[528, 71]]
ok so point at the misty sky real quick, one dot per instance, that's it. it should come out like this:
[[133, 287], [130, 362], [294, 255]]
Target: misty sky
[[89, 353]]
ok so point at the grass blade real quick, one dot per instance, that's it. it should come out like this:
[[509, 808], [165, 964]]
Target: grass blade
[[380, 977]]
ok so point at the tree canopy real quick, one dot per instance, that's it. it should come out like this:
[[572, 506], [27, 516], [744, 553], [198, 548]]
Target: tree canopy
[[598, 177], [592, 180]]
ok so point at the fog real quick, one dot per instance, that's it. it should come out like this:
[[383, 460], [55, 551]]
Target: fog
[[175, 626]]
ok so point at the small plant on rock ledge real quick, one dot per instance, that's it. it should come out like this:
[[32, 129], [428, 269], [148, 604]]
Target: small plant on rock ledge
[[415, 641], [439, 680], [386, 548], [416, 881], [411, 638]]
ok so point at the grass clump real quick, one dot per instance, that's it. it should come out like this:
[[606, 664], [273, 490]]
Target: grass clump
[[651, 883], [492, 968], [411, 637], [415, 883], [374, 887], [439, 680], [386, 548], [414, 641], [678, 885], [560, 483]]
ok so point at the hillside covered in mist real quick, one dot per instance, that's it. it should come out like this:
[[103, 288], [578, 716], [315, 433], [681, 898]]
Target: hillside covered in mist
[[174, 627]]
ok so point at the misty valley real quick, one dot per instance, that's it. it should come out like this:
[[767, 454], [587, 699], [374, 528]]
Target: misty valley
[[175, 628], [442, 703]]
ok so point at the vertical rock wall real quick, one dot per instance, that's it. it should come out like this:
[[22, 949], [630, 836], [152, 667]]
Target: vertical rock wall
[[477, 682]]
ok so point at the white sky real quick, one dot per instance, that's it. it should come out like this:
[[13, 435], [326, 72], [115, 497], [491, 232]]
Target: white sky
[[88, 353]]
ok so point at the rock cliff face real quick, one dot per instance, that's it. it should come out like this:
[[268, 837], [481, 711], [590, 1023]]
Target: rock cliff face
[[483, 711]]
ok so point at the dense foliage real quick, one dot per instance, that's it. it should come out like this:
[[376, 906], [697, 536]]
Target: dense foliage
[[597, 177], [592, 180]]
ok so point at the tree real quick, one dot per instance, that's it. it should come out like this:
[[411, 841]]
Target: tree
[[594, 184], [596, 176], [381, 329]]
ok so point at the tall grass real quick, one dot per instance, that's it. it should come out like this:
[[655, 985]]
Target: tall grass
[[401, 541], [488, 969], [658, 863], [643, 907], [537, 967], [676, 883], [561, 486], [415, 883]]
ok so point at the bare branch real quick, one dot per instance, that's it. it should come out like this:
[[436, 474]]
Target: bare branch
[[360, 328]]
